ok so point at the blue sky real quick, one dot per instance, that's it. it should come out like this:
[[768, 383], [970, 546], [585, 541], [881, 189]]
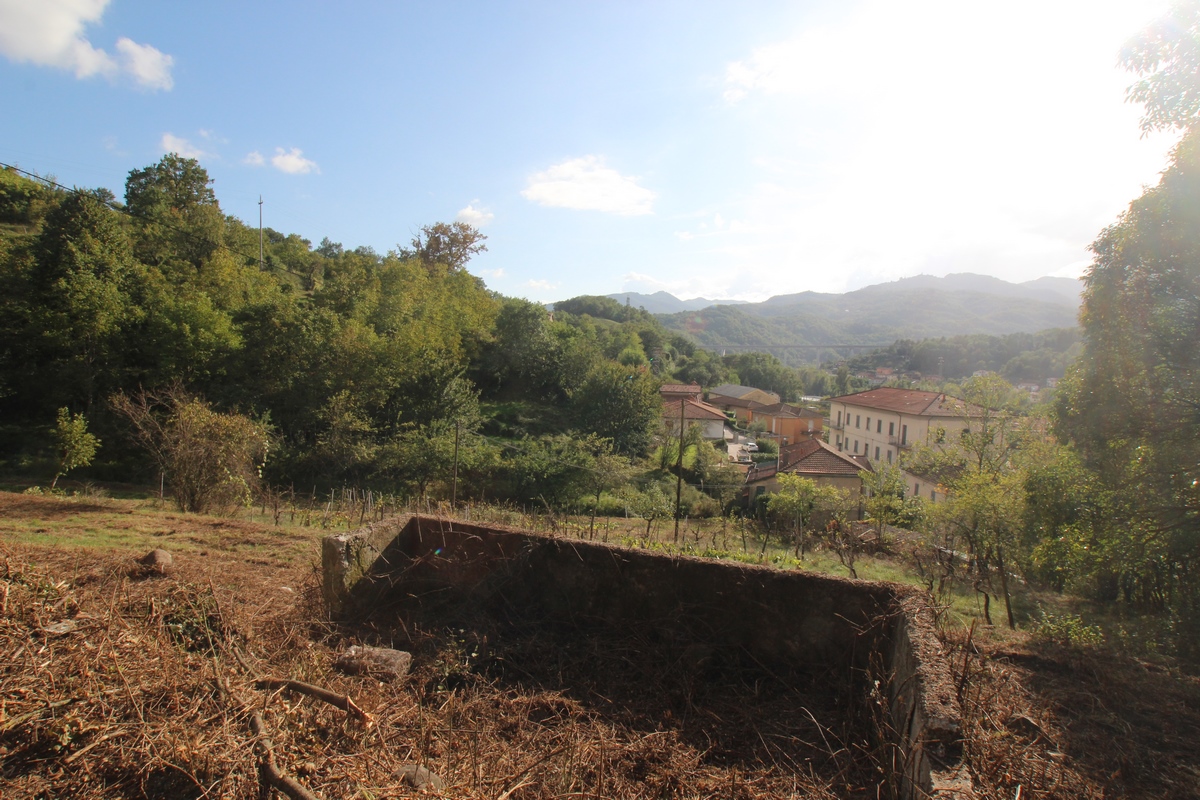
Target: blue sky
[[732, 150]]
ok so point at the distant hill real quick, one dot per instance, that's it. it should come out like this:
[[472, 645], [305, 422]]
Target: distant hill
[[921, 307], [667, 303]]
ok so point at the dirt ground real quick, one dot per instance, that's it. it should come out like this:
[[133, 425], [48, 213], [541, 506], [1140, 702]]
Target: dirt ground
[[115, 682]]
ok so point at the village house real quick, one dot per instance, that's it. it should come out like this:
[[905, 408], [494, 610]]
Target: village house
[[712, 421], [739, 408], [681, 391], [881, 423], [810, 458], [787, 423], [719, 394]]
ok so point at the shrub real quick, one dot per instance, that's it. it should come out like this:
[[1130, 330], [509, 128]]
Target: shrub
[[212, 461], [1068, 630]]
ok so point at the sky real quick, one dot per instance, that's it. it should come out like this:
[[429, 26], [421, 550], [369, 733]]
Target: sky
[[700, 147]]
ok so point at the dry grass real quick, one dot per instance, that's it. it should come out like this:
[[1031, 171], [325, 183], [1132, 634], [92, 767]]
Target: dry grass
[[115, 684], [1067, 723], [121, 684]]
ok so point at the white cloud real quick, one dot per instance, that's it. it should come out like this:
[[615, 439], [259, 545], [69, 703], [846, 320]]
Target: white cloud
[[50, 33], [254, 159], [170, 143], [543, 285], [293, 162], [586, 184], [494, 273], [477, 217], [148, 65], [932, 136]]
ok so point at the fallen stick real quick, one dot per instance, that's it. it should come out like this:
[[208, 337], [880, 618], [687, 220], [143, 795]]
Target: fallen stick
[[342, 701], [269, 770]]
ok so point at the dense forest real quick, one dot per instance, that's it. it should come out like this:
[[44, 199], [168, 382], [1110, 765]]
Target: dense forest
[[352, 366], [1016, 357]]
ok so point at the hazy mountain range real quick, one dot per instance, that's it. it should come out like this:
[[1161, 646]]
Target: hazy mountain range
[[667, 303], [921, 307]]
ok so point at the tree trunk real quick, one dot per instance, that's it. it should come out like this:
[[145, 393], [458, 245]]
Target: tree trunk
[[1004, 587]]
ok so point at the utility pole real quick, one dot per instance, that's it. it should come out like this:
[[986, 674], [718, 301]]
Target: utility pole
[[260, 248], [454, 482], [679, 469]]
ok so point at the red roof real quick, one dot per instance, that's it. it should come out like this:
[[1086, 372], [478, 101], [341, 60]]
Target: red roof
[[695, 410], [905, 401], [785, 410], [680, 388], [735, 402], [810, 458]]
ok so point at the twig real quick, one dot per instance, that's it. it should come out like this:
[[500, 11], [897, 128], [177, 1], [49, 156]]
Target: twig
[[13, 722], [99, 740], [342, 701], [269, 770]]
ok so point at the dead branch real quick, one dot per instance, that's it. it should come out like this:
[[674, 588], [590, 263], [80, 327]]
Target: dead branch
[[267, 767], [342, 701]]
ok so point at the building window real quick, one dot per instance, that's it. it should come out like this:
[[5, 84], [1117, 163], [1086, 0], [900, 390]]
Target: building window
[[891, 429], [858, 420], [856, 446], [839, 422], [889, 456], [868, 424], [916, 490], [903, 434], [876, 452]]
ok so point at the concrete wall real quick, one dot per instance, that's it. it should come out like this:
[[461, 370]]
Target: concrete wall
[[793, 618]]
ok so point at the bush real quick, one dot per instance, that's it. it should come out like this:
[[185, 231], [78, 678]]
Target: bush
[[212, 461], [1068, 630]]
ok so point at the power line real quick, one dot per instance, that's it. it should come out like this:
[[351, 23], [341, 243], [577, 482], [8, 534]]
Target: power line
[[112, 205]]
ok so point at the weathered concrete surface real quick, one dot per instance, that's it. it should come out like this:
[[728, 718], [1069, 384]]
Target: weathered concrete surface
[[785, 617]]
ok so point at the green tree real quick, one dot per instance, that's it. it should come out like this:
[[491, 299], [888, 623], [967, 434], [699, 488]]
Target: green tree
[[1165, 57], [801, 504], [1129, 403], [80, 300], [76, 447], [621, 404], [450, 245], [886, 498], [180, 225]]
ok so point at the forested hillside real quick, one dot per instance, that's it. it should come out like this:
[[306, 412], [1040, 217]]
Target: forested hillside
[[916, 308], [346, 364], [1016, 357]]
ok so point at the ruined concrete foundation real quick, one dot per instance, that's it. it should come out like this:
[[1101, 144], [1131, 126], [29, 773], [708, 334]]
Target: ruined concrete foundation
[[790, 619]]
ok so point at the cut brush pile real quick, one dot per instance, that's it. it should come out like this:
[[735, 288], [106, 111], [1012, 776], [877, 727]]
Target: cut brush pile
[[213, 680]]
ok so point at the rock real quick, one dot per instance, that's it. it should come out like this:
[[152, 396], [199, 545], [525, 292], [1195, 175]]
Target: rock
[[61, 628], [420, 778], [157, 561], [383, 663]]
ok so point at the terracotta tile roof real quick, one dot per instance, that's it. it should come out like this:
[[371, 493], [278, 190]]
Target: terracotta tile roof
[[695, 410], [734, 402], [731, 390], [785, 410], [740, 392], [905, 401], [680, 388], [811, 458]]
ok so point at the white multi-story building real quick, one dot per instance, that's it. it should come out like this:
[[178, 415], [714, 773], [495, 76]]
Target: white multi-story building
[[882, 423]]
